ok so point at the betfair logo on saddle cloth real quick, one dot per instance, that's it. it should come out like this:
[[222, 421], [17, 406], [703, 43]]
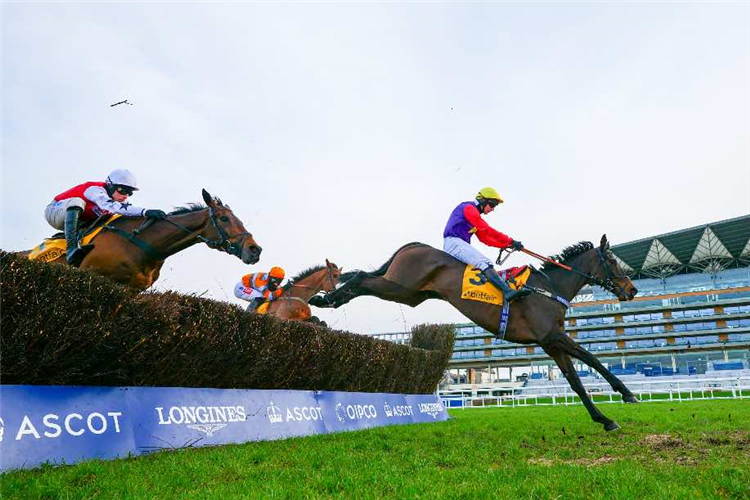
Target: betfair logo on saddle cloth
[[475, 285], [53, 248]]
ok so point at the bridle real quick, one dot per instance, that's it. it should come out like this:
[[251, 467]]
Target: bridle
[[609, 283], [224, 242], [328, 276]]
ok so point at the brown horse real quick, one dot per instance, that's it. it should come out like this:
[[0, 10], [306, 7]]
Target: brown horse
[[293, 303], [418, 272], [132, 250]]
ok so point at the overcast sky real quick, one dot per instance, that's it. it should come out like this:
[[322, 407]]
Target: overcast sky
[[342, 131]]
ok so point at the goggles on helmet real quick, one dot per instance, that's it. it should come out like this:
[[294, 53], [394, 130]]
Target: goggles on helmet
[[124, 190]]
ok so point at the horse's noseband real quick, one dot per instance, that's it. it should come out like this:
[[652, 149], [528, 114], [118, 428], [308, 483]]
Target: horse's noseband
[[609, 283], [224, 243]]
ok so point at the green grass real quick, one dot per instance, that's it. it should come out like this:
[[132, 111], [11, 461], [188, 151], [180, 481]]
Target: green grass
[[692, 450], [598, 398]]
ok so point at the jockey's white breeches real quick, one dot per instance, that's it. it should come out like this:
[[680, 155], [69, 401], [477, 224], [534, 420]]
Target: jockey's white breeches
[[56, 210], [466, 253], [245, 293]]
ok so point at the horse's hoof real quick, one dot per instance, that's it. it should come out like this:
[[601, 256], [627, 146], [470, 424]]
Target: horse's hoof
[[630, 399], [611, 426]]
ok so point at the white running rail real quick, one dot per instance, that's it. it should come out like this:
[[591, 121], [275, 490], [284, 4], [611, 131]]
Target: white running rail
[[645, 391]]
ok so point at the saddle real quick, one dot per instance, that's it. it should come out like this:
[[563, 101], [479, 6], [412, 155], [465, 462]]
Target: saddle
[[54, 247], [475, 286]]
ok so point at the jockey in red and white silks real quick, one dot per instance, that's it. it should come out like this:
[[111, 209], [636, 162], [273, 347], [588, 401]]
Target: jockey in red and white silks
[[86, 202], [466, 221]]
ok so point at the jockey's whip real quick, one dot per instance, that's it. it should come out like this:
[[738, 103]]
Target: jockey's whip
[[546, 259]]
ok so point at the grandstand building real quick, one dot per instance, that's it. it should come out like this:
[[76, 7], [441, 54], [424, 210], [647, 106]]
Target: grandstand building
[[691, 315]]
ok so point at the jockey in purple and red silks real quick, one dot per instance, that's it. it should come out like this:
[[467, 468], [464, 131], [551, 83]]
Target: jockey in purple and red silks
[[465, 221]]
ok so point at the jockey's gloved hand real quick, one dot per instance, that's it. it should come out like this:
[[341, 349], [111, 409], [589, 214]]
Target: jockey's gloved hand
[[516, 245], [155, 214]]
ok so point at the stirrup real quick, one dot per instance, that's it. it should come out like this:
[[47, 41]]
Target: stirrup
[[517, 294], [76, 256]]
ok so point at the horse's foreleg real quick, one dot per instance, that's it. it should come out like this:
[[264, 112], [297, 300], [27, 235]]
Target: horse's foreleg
[[574, 349], [566, 366]]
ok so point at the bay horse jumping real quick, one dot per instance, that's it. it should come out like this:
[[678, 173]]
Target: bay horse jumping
[[292, 304], [417, 272], [132, 250]]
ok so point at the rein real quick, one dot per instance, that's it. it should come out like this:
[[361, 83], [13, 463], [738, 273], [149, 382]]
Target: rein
[[329, 276], [223, 244], [608, 284]]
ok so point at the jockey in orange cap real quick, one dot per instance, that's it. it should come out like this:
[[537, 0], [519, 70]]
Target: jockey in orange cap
[[258, 288]]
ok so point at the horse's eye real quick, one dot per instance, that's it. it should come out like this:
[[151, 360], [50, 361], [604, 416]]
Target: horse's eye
[[224, 218]]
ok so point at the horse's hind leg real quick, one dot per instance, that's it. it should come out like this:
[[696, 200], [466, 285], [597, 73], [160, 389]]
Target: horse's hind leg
[[574, 349], [341, 295], [566, 366], [385, 289]]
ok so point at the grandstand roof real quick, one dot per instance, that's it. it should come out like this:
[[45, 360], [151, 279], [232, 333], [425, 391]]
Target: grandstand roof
[[706, 248]]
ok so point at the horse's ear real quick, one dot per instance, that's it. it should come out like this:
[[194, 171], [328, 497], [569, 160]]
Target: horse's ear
[[604, 244], [328, 264], [218, 200], [208, 198]]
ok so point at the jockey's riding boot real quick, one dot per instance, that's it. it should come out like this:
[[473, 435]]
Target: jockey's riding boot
[[74, 253], [255, 304], [510, 294]]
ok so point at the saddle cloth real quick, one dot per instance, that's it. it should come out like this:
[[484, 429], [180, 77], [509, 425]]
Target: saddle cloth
[[53, 248], [263, 309], [475, 285]]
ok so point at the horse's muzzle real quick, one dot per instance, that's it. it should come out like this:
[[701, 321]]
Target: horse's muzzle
[[633, 292], [251, 254]]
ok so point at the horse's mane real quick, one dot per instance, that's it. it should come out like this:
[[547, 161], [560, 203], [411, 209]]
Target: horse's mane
[[302, 275], [569, 253], [189, 208]]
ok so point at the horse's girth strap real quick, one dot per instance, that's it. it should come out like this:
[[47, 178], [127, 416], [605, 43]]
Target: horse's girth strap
[[145, 247]]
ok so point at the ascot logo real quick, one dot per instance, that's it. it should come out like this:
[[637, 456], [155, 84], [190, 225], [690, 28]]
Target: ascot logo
[[205, 419], [273, 413], [431, 408], [74, 424], [388, 410], [294, 414], [397, 410]]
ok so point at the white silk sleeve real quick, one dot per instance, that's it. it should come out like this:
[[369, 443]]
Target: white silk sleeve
[[99, 196]]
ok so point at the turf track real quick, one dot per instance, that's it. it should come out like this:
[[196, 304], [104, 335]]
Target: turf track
[[690, 450]]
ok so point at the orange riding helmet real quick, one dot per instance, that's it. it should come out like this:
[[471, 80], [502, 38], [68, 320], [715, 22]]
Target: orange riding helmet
[[276, 272]]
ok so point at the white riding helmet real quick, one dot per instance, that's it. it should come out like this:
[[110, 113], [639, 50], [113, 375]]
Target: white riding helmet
[[122, 177]]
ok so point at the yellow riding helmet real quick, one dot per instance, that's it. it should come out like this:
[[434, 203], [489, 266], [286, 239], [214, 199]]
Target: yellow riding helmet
[[489, 193], [276, 272]]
